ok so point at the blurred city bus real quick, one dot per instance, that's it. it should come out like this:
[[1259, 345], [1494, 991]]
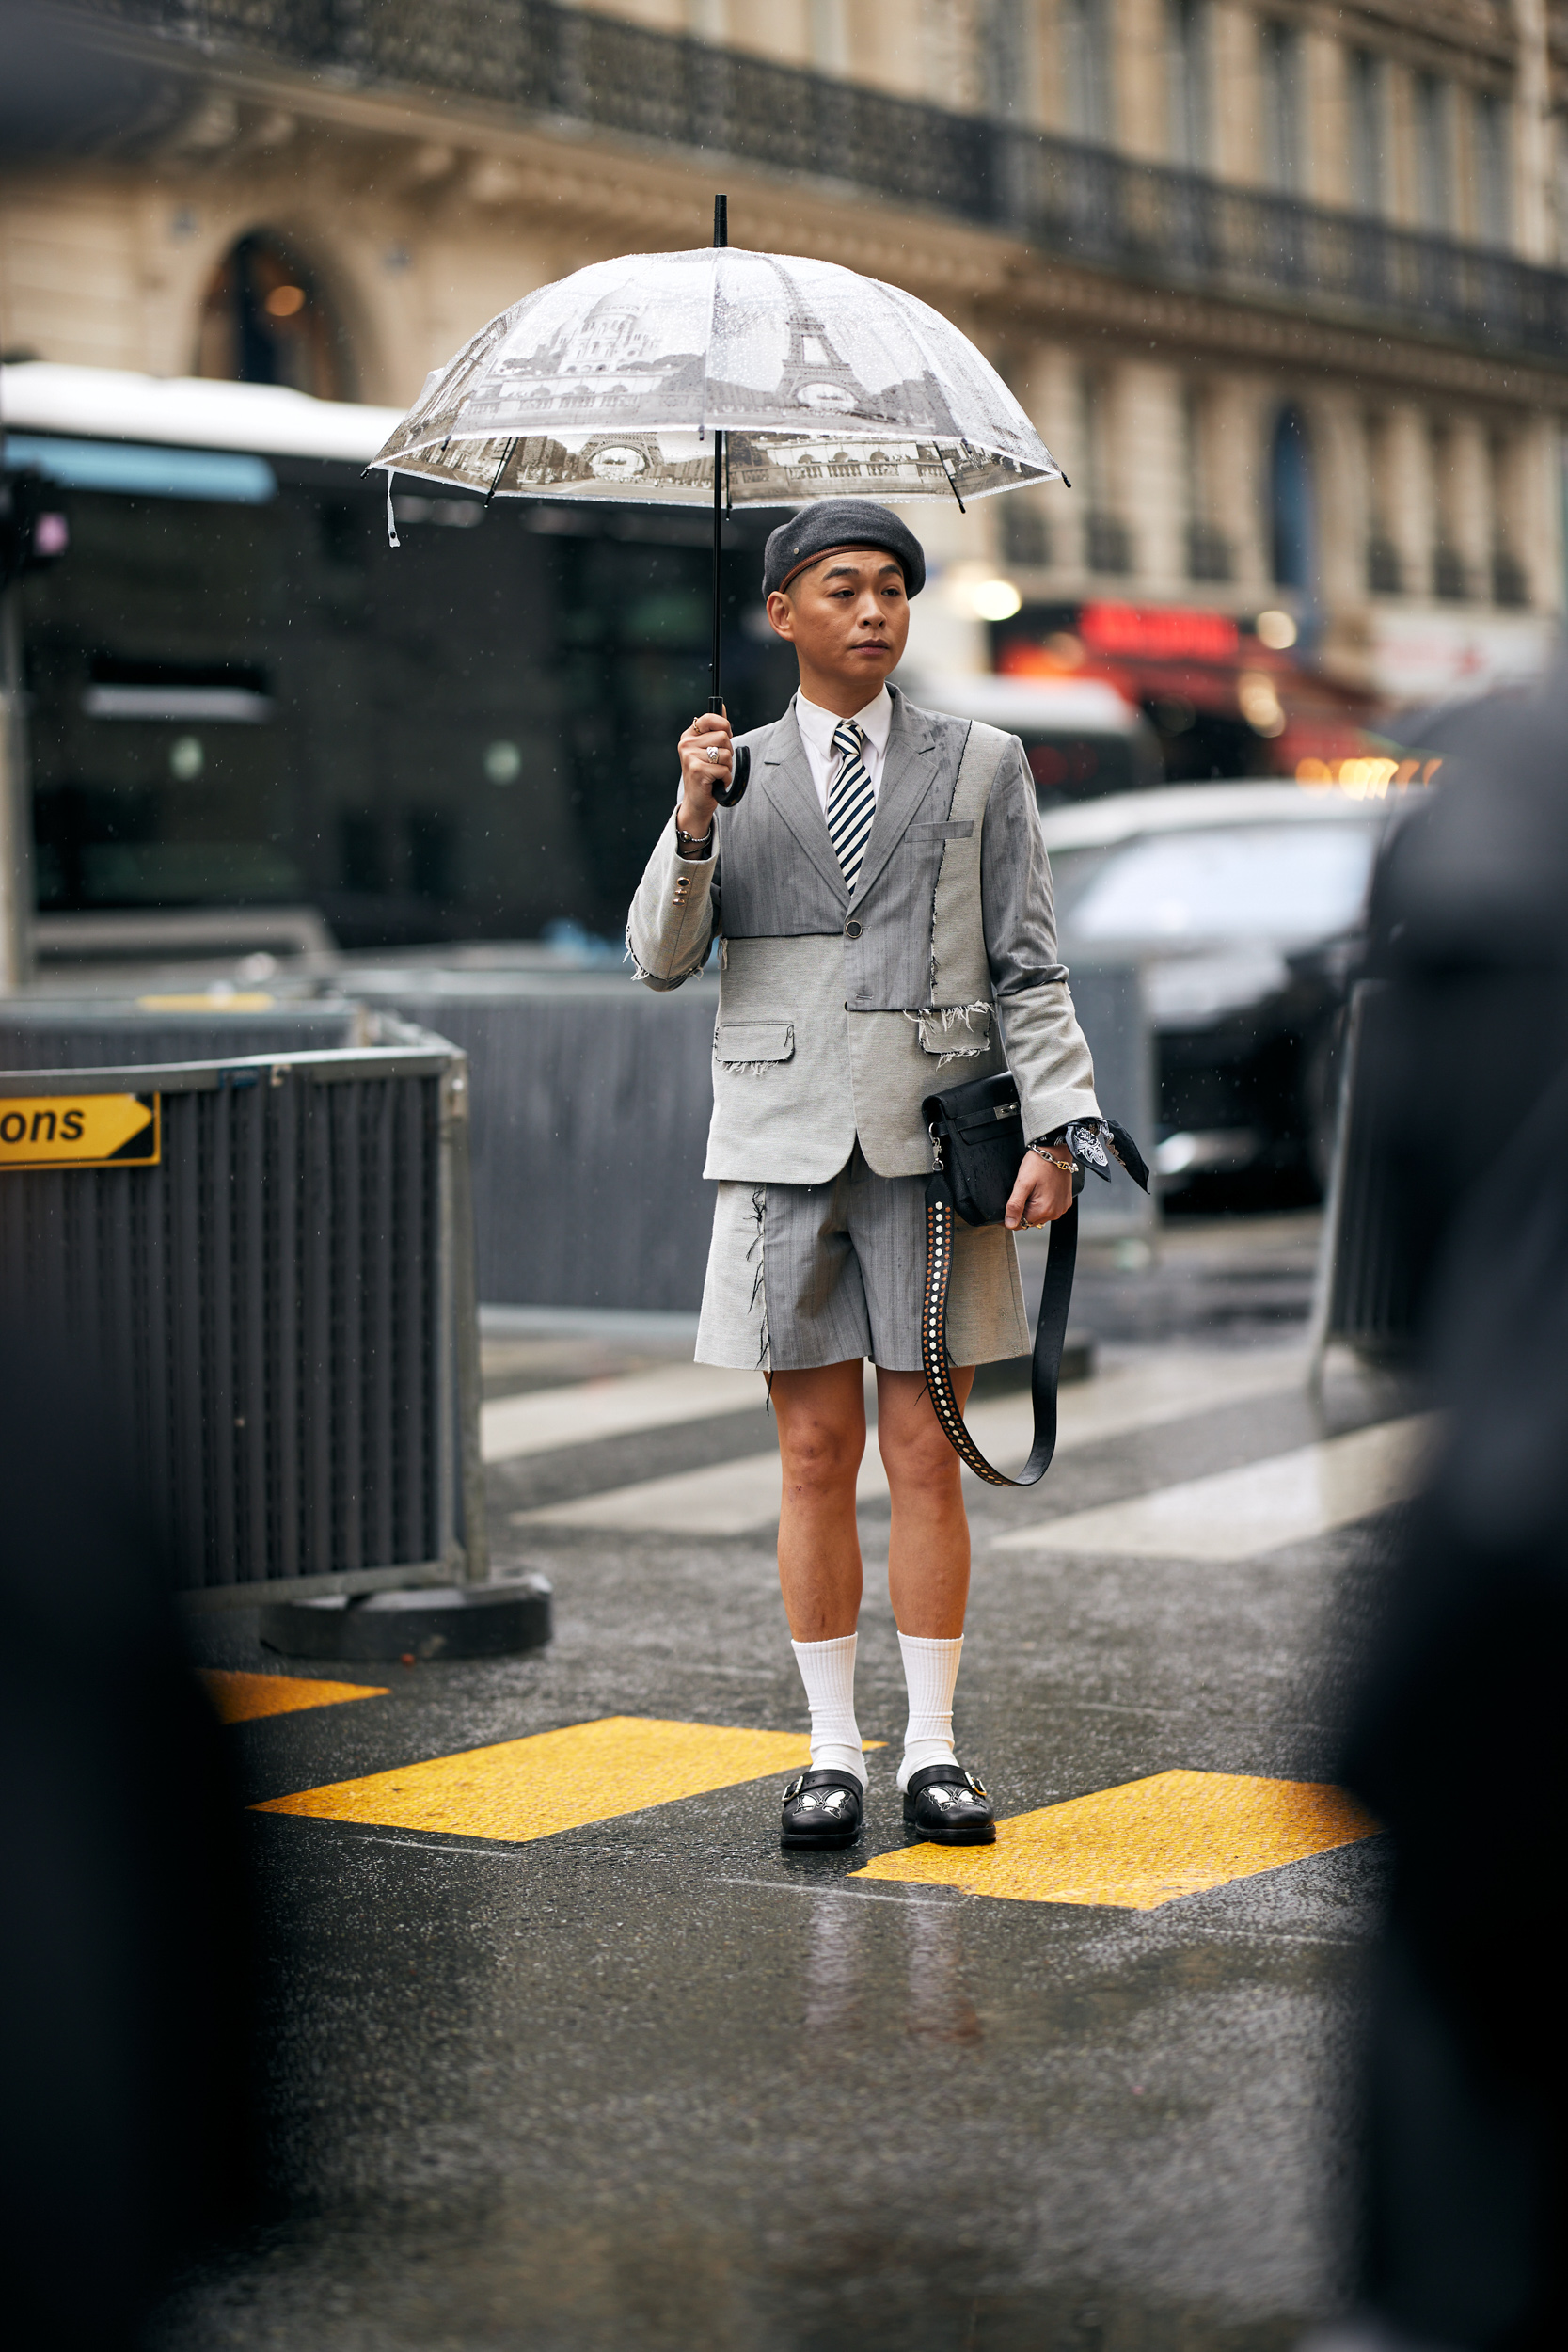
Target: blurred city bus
[[241, 696]]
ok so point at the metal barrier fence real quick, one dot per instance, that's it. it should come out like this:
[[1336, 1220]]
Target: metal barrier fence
[[270, 1258], [591, 1100], [93, 1033], [1364, 1283], [590, 1105], [1109, 1000]]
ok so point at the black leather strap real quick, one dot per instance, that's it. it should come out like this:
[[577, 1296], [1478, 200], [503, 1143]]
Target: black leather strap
[[1050, 1335]]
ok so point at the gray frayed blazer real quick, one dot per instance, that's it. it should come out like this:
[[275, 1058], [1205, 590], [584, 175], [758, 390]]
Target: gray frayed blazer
[[837, 1018]]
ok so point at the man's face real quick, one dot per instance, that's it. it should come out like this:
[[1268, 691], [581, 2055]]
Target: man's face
[[847, 617]]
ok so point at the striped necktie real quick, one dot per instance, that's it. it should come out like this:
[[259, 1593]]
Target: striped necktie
[[851, 803]]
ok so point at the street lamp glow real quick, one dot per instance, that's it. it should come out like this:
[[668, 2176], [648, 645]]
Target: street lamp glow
[[995, 600]]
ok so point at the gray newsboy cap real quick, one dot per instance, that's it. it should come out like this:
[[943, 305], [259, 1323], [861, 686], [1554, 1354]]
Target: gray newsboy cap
[[831, 523]]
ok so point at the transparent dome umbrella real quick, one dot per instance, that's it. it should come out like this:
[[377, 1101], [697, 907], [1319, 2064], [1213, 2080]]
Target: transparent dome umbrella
[[720, 376]]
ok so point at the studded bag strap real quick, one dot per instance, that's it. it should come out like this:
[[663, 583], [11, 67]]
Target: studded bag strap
[[1049, 1334]]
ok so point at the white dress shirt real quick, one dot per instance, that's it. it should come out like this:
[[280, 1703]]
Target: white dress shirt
[[816, 733]]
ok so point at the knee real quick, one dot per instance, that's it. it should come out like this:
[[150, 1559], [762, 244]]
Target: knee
[[921, 1463], [820, 1459]]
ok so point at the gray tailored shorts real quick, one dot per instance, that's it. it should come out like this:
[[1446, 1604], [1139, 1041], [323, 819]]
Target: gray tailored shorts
[[804, 1274]]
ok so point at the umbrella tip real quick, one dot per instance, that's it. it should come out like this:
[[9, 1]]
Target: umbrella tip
[[721, 220]]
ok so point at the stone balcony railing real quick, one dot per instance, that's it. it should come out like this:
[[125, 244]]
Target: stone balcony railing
[[1073, 203]]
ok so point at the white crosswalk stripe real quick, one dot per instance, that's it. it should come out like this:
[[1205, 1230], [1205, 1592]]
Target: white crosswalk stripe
[[511, 1426], [1261, 1506], [1140, 1393]]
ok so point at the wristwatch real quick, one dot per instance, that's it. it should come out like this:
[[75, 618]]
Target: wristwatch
[[688, 845]]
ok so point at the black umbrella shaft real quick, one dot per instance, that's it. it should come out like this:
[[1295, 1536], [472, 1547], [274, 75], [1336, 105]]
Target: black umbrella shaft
[[716, 699]]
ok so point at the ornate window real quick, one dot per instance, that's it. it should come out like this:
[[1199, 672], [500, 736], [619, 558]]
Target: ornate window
[[1208, 551], [1281, 61], [1368, 112], [1086, 39], [1490, 144], [1434, 124], [1187, 82], [265, 320], [1292, 503]]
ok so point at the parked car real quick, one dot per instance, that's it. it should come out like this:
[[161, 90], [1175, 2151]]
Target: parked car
[[1244, 903], [1081, 737]]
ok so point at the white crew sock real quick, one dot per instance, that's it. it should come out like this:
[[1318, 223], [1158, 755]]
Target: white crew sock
[[828, 1671], [930, 1670]]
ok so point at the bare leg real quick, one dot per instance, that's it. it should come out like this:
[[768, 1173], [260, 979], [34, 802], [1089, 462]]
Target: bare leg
[[821, 1418], [928, 1568]]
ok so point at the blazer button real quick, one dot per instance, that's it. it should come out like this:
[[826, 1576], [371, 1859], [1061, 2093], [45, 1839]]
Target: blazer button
[[851, 929]]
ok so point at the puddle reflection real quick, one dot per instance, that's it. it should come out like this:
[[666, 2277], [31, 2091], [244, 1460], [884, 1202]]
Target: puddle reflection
[[847, 1950]]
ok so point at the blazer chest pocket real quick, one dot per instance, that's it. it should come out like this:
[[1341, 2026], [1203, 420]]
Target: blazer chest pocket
[[751, 1045], [954, 829]]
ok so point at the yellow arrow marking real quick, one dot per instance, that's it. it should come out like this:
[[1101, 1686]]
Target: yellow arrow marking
[[239, 1698], [555, 1780], [74, 1130], [1144, 1844]]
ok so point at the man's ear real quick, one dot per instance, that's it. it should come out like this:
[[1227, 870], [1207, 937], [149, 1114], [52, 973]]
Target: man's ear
[[781, 613]]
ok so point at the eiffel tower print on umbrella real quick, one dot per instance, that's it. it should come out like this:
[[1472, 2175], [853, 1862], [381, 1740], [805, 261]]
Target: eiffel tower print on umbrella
[[720, 376]]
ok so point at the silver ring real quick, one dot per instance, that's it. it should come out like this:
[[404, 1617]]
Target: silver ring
[[713, 752]]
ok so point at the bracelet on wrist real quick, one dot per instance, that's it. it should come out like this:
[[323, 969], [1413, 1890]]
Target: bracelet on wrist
[[1058, 1151]]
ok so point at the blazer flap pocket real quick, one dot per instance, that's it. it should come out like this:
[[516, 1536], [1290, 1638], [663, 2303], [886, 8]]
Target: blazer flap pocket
[[753, 1041], [961, 1029], [954, 828]]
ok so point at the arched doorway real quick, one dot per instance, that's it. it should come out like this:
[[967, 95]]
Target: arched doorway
[[1292, 503], [265, 320]]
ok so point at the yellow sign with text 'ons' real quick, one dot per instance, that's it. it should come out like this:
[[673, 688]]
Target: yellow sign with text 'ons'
[[79, 1131]]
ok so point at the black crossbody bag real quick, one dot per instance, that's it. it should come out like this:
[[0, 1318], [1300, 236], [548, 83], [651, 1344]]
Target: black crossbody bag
[[977, 1130]]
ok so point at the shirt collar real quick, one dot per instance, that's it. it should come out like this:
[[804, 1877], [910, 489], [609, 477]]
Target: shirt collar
[[818, 724]]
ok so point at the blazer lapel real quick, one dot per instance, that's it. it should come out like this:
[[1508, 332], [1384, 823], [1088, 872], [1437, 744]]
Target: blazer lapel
[[786, 777], [909, 771]]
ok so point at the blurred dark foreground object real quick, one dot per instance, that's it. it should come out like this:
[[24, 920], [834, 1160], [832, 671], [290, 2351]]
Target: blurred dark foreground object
[[126, 2138], [1458, 1742]]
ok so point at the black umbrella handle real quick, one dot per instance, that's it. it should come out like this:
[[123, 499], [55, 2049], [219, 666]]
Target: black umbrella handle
[[727, 794]]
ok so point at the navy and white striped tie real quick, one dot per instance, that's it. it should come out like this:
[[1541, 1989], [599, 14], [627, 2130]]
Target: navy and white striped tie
[[851, 801]]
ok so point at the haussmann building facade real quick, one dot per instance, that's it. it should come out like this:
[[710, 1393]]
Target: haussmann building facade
[[1282, 286]]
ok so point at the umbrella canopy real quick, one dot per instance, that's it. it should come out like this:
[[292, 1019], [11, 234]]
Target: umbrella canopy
[[627, 380]]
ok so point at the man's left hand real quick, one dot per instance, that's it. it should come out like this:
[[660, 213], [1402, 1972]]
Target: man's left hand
[[1042, 1193]]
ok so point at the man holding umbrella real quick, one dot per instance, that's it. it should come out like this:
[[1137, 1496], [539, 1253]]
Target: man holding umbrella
[[838, 888]]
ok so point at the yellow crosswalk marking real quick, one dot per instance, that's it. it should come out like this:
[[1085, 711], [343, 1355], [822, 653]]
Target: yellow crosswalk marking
[[555, 1780], [239, 1698], [1144, 1844]]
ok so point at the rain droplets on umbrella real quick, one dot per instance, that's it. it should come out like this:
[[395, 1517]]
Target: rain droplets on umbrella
[[722, 375], [611, 384]]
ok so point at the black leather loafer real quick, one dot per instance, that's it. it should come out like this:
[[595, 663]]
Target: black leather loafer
[[948, 1806], [822, 1808]]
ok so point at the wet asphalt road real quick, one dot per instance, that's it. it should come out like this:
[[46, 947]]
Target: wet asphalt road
[[648, 2085]]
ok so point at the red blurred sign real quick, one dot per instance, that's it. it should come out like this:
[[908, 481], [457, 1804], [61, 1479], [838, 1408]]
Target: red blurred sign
[[1158, 632]]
